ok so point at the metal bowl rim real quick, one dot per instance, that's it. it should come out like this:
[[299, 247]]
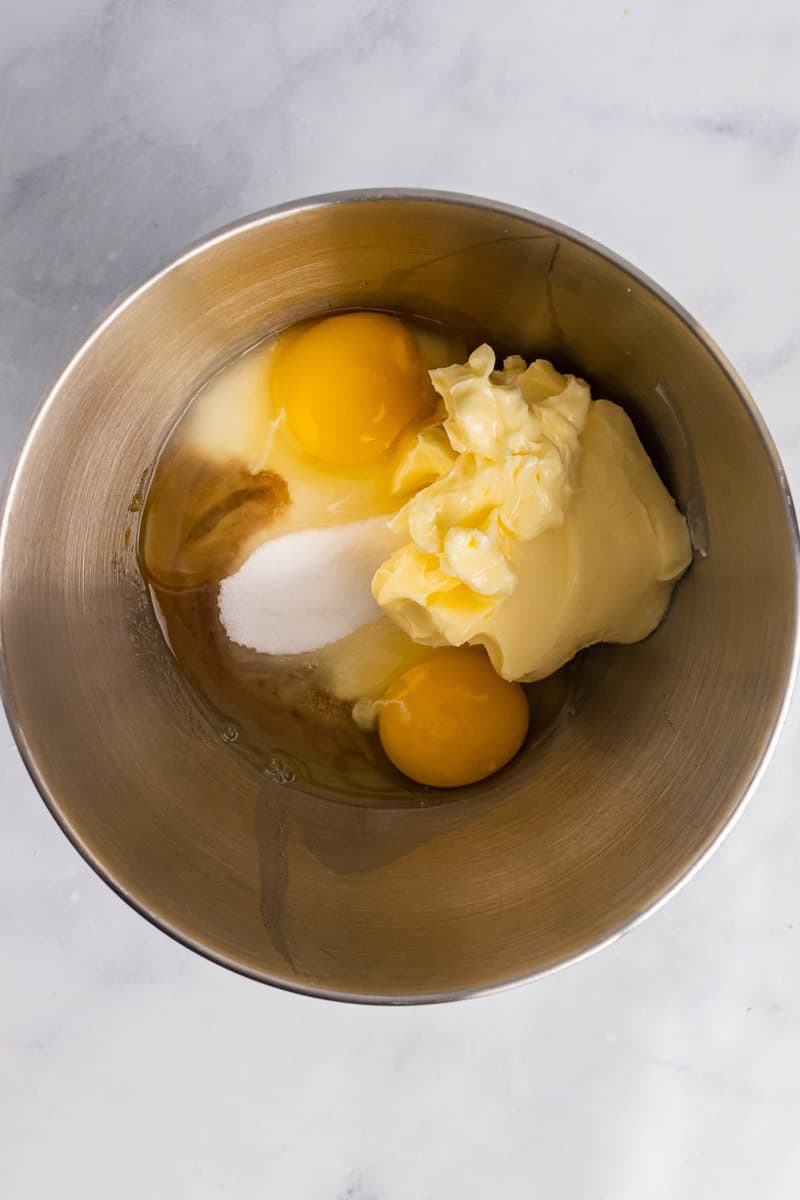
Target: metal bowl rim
[[377, 195]]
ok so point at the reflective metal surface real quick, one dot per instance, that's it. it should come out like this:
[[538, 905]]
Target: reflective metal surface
[[504, 881]]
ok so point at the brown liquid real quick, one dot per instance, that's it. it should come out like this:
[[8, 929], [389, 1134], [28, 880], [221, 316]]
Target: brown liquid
[[270, 707], [200, 517]]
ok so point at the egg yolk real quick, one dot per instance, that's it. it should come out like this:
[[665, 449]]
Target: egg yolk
[[349, 385], [452, 720]]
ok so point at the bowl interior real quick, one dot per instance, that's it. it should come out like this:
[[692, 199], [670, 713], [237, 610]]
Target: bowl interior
[[593, 826]]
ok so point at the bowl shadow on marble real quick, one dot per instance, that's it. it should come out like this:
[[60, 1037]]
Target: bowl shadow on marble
[[596, 824]]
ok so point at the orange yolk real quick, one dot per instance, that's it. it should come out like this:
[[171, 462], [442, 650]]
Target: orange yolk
[[452, 720], [349, 385]]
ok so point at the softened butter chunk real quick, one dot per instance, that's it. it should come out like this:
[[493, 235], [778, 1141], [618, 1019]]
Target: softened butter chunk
[[550, 530]]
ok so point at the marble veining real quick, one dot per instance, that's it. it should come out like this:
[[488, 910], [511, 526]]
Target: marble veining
[[666, 1066]]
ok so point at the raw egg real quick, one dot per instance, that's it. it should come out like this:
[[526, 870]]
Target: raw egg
[[349, 384], [451, 720]]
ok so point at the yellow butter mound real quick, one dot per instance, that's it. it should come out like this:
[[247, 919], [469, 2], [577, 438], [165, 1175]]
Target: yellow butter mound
[[538, 526]]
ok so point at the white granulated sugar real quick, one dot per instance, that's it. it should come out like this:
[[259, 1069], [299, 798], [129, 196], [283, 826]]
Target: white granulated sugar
[[306, 589]]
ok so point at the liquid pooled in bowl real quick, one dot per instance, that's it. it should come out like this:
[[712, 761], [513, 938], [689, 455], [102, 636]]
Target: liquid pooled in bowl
[[361, 542]]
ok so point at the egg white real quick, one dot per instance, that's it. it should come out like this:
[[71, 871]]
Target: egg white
[[234, 417]]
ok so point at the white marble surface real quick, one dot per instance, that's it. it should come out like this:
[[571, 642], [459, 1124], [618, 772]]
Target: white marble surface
[[669, 1065]]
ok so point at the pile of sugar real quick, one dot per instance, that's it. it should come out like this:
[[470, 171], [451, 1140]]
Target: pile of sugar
[[306, 589]]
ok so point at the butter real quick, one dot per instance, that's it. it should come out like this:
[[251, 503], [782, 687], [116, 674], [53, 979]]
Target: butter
[[545, 529], [424, 456]]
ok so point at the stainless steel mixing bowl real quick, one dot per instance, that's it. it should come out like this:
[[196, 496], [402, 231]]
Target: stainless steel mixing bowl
[[527, 872]]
